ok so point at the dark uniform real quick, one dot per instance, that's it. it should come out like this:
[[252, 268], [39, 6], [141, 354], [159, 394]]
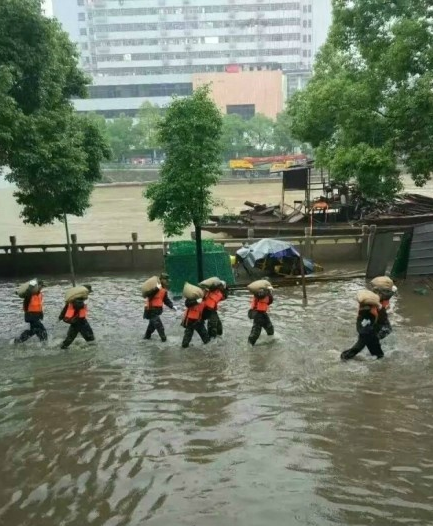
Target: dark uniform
[[193, 321], [33, 315], [75, 314], [210, 313], [259, 314], [367, 327], [153, 310], [384, 327]]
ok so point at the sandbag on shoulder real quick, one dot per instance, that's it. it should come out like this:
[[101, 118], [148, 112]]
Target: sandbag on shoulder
[[24, 288], [255, 286], [366, 297], [211, 282], [76, 293], [191, 292], [382, 282], [150, 286]]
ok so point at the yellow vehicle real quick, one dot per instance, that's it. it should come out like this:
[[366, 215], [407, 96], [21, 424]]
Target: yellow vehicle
[[264, 166], [240, 164], [277, 167]]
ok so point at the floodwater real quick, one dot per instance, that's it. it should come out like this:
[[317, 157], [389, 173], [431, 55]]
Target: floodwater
[[127, 432], [118, 211]]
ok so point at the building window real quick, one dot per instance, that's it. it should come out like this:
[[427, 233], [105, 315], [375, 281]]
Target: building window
[[81, 17], [246, 111], [83, 31], [80, 2]]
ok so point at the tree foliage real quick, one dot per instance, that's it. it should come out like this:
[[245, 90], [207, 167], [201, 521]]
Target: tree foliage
[[146, 129], [121, 136], [260, 134], [54, 155], [189, 134], [369, 105]]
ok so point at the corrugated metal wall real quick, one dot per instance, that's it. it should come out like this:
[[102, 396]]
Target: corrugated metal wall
[[421, 253]]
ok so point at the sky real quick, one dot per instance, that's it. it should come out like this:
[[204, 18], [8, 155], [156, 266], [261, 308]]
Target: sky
[[48, 7]]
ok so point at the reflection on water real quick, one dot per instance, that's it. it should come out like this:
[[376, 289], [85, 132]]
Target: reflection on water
[[126, 432]]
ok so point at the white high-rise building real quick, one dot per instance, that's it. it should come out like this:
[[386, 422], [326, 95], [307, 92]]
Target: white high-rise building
[[137, 50]]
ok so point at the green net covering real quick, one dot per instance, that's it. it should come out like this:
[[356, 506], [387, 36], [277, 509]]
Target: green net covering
[[181, 264]]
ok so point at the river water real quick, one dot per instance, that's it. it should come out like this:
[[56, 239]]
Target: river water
[[118, 211], [126, 432]]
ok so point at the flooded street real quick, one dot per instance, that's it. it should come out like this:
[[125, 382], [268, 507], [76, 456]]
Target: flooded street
[[126, 432]]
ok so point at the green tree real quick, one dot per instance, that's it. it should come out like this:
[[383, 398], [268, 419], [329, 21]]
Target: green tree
[[259, 134], [282, 137], [369, 105], [53, 154], [233, 141], [146, 129], [190, 135], [121, 136]]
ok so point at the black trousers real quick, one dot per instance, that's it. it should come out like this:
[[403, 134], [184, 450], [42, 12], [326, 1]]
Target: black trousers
[[82, 327], [197, 326], [36, 329], [155, 324], [261, 321], [371, 341], [384, 331], [214, 325]]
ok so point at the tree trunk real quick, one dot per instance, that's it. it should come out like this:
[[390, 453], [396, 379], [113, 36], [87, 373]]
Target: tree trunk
[[199, 252], [68, 242]]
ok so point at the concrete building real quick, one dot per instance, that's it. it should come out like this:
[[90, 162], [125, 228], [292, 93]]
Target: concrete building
[[246, 92], [138, 50]]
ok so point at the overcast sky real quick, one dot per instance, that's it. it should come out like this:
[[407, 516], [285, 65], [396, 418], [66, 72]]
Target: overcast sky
[[48, 7]]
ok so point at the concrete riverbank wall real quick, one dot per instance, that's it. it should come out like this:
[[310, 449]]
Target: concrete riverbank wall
[[18, 261]]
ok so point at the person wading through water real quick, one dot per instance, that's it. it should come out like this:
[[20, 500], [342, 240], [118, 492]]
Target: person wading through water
[[154, 307], [75, 314], [33, 306]]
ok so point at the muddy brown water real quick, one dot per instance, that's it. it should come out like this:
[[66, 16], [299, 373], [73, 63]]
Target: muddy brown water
[[118, 211], [126, 433]]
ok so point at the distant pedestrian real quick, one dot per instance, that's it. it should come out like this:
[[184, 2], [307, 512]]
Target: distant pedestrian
[[33, 306], [75, 314]]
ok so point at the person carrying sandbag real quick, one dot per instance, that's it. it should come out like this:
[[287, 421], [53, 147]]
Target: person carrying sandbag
[[193, 316], [154, 305], [384, 287], [33, 306], [75, 313], [215, 293], [260, 302], [366, 326]]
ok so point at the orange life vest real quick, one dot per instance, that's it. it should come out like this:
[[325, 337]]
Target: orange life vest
[[36, 303], [373, 310], [212, 299], [71, 313], [156, 301], [194, 313], [385, 304], [260, 305]]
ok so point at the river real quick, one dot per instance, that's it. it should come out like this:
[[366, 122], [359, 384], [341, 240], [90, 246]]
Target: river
[[118, 211], [127, 432]]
